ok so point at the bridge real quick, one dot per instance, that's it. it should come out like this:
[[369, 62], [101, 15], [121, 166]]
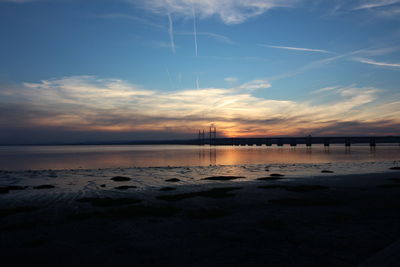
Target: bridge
[[294, 141]]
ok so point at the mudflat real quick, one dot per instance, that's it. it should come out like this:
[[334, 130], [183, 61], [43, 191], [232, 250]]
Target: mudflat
[[321, 221]]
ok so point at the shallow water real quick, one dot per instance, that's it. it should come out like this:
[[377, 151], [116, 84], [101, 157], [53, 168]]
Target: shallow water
[[78, 171], [125, 156]]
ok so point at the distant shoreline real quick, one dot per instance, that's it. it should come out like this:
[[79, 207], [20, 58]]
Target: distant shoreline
[[273, 140]]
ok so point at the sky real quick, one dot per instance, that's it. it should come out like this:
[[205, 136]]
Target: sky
[[108, 70]]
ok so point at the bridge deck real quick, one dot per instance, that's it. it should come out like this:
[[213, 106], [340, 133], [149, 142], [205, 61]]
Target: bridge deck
[[308, 140]]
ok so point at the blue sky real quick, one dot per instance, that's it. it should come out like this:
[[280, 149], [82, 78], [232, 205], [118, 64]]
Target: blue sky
[[124, 69]]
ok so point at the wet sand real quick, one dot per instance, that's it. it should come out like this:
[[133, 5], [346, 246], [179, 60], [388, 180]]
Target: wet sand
[[327, 220]]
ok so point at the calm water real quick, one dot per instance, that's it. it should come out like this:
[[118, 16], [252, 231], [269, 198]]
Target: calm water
[[125, 156]]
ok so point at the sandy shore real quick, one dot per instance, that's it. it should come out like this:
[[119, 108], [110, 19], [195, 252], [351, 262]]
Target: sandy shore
[[276, 221]]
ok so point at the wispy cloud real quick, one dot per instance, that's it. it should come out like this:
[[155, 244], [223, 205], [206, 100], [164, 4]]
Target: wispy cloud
[[171, 33], [169, 29], [255, 84], [375, 4], [310, 66], [296, 48], [230, 11], [325, 89], [133, 18], [170, 78], [376, 51], [231, 79], [197, 83], [389, 13], [373, 62], [346, 56], [194, 31], [90, 103], [216, 36]]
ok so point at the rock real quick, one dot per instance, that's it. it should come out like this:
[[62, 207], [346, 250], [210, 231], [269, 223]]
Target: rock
[[219, 192], [120, 179], [172, 180], [167, 188], [269, 178], [6, 189], [223, 178], [125, 187], [276, 175], [44, 186], [326, 171]]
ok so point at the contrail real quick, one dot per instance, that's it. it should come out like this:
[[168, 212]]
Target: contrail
[[194, 30], [297, 48], [170, 79], [171, 33], [197, 82]]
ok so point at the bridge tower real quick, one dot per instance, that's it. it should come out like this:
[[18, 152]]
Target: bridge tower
[[213, 134], [201, 137]]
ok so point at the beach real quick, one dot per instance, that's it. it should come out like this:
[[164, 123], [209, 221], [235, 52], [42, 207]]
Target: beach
[[260, 216]]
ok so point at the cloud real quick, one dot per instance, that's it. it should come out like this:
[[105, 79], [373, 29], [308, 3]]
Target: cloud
[[133, 18], [325, 89], [345, 56], [231, 79], [389, 13], [215, 36], [171, 33], [195, 31], [381, 127], [376, 51], [88, 103], [373, 62], [229, 11], [297, 48], [375, 4], [255, 84], [169, 29]]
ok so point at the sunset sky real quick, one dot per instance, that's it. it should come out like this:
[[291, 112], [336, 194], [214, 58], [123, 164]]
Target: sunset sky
[[98, 70]]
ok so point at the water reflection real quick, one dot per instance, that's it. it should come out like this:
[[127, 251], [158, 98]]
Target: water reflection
[[213, 156], [72, 157]]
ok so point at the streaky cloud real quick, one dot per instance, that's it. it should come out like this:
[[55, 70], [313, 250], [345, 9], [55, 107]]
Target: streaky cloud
[[376, 4], [325, 89], [171, 33], [231, 79], [377, 51], [133, 18], [216, 36], [229, 11], [373, 62], [297, 48], [346, 56], [194, 31], [255, 84]]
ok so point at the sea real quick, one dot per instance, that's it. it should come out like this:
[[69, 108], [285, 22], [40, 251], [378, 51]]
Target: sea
[[18, 158], [72, 172]]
